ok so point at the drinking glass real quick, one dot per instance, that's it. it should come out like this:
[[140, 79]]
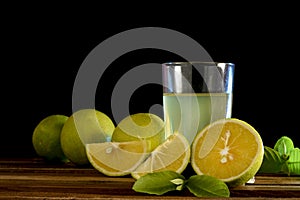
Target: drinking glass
[[195, 94]]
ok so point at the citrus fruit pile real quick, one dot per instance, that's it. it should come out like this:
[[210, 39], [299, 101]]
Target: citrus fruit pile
[[228, 149], [138, 147], [62, 138], [122, 158]]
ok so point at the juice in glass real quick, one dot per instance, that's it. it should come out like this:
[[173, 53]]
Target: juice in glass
[[189, 113]]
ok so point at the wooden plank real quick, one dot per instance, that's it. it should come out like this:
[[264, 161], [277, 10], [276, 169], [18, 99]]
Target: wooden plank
[[277, 180], [35, 178]]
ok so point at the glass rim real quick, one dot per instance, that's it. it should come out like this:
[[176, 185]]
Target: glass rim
[[208, 63]]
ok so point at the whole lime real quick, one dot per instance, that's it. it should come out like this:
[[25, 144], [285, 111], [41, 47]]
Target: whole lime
[[46, 138], [83, 127], [140, 126]]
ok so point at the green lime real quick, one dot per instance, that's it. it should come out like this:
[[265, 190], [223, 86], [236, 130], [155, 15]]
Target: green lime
[[46, 138], [283, 146], [141, 126], [83, 127]]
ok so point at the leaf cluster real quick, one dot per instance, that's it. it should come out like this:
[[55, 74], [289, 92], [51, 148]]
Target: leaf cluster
[[162, 182], [283, 158]]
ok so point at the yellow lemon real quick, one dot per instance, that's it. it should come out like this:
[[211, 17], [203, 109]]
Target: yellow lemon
[[228, 149]]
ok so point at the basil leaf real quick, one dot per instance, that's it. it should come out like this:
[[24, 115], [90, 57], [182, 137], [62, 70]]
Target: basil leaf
[[159, 182], [283, 146], [294, 161], [272, 162], [207, 186]]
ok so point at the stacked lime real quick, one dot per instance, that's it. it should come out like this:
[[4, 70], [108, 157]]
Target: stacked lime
[[140, 126]]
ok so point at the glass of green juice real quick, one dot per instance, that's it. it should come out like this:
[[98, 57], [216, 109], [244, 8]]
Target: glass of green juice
[[195, 94]]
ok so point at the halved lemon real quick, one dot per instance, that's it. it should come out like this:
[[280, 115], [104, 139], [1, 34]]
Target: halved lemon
[[116, 158], [228, 149], [173, 154]]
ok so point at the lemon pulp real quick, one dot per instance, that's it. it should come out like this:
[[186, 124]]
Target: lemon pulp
[[173, 154], [234, 157], [116, 158]]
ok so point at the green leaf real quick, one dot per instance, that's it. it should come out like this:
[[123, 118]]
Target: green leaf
[[159, 182], [294, 161], [283, 146], [272, 162], [207, 186]]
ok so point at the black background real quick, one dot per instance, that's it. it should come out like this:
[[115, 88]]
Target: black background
[[43, 48]]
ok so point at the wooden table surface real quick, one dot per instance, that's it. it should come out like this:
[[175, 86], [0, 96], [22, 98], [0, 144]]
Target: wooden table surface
[[33, 178]]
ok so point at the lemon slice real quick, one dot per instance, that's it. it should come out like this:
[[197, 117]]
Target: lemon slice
[[173, 154], [116, 158], [234, 156]]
